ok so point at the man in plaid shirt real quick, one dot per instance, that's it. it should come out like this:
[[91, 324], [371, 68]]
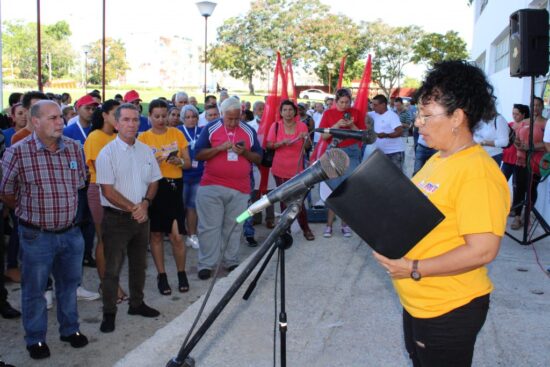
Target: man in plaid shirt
[[42, 175]]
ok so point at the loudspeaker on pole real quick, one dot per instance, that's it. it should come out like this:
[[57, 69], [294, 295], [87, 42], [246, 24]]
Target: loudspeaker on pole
[[529, 42]]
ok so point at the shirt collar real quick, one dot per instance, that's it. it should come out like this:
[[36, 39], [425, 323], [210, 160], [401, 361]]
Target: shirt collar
[[124, 145], [40, 145]]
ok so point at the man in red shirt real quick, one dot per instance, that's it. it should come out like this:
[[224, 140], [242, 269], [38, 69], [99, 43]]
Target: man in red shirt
[[229, 147]]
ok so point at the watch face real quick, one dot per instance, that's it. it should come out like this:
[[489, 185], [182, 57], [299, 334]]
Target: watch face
[[415, 275]]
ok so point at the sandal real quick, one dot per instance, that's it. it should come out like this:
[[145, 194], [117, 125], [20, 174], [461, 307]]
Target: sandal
[[309, 235], [183, 284], [162, 284]]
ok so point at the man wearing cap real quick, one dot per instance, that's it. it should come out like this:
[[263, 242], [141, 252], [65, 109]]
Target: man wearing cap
[[79, 131], [133, 98], [41, 178]]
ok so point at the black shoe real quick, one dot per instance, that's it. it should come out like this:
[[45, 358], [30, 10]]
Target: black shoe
[[9, 312], [143, 310], [251, 241], [89, 261], [77, 340], [162, 284], [38, 350], [108, 323], [3, 364], [231, 268], [183, 283], [205, 274]]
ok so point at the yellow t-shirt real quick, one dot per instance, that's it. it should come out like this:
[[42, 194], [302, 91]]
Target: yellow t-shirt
[[472, 193], [172, 140], [92, 146]]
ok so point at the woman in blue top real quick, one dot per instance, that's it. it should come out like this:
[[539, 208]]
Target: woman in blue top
[[189, 115]]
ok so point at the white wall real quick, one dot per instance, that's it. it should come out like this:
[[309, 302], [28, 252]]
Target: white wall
[[488, 27]]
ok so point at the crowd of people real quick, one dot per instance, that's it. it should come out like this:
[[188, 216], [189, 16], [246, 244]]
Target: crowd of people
[[97, 181]]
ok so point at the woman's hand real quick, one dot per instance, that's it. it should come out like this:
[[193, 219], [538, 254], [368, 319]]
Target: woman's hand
[[342, 123], [176, 161], [397, 269]]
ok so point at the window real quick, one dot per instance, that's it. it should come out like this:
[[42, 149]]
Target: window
[[502, 49], [480, 62]]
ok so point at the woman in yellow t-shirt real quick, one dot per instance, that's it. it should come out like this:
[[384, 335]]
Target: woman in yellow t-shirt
[[166, 211], [101, 133], [442, 282]]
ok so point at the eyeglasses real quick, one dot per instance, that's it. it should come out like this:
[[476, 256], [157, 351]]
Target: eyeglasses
[[424, 119]]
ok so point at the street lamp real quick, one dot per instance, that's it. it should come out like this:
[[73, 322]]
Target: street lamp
[[269, 53], [329, 66], [86, 71], [206, 8]]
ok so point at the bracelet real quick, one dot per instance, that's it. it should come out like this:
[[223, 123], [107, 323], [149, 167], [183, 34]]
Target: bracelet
[[147, 200], [182, 161]]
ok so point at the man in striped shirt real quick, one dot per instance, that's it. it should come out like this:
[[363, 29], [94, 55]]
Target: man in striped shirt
[[42, 175]]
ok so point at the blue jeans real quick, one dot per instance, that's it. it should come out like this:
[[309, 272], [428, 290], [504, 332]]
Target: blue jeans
[[421, 155], [43, 253], [397, 158]]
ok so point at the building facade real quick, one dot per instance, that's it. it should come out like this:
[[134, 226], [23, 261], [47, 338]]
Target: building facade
[[491, 51]]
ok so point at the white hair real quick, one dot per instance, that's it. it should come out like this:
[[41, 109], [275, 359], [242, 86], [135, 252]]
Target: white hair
[[188, 107], [230, 103], [181, 95]]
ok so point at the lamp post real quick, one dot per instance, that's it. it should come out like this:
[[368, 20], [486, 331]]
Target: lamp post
[[269, 53], [86, 71], [206, 8], [329, 67]]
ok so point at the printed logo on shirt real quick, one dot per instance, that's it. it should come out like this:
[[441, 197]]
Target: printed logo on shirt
[[428, 187]]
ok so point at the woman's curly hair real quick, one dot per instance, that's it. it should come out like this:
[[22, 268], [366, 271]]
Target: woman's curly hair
[[459, 84]]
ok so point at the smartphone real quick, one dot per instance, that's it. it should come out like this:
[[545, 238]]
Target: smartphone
[[172, 154], [240, 143]]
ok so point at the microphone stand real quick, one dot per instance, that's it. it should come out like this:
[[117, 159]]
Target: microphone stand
[[271, 242]]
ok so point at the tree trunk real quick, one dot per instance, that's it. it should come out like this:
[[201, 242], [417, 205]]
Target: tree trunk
[[250, 86]]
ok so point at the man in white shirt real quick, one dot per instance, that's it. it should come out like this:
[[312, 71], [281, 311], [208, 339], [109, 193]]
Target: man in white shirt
[[318, 110], [388, 129], [128, 174]]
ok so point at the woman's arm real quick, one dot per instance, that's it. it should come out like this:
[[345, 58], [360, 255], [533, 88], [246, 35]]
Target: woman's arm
[[479, 249]]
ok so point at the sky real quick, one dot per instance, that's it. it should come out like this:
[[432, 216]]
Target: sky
[[127, 18]]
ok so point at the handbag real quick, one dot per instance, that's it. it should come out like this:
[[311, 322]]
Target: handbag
[[269, 154]]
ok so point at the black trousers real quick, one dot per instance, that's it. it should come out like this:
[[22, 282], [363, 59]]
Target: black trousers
[[447, 340]]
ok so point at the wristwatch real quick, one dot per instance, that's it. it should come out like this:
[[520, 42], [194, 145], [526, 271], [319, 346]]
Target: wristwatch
[[147, 200], [415, 274]]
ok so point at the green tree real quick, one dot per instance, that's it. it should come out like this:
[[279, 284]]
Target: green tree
[[299, 29], [116, 64], [434, 47], [411, 82], [392, 50], [20, 50]]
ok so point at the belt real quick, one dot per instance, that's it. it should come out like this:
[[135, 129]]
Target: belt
[[116, 211], [32, 226]]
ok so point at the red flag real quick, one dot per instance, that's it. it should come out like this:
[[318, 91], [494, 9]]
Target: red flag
[[362, 98], [341, 75], [289, 77], [270, 115]]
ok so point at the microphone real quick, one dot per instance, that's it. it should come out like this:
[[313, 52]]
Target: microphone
[[366, 136], [332, 164]]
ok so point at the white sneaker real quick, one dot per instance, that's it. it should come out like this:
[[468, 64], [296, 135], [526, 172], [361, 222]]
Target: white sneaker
[[86, 295], [192, 241], [48, 295]]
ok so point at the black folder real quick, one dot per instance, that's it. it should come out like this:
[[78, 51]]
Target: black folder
[[384, 207]]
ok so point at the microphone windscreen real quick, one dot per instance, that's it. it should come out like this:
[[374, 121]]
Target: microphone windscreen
[[334, 162]]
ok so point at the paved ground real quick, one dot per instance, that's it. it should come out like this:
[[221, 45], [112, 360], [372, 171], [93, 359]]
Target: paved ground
[[341, 308]]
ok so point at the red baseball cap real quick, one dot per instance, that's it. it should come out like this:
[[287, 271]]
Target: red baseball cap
[[86, 101], [131, 96]]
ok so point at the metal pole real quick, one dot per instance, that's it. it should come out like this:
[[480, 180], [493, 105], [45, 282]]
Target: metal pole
[[103, 59], [86, 72], [205, 53], [39, 47]]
